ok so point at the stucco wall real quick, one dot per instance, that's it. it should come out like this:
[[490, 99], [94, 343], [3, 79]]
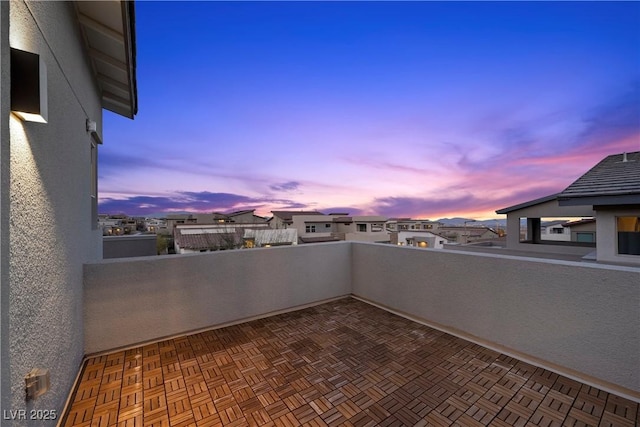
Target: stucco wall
[[129, 246], [578, 319], [378, 236], [134, 300], [581, 317], [5, 84], [50, 234]]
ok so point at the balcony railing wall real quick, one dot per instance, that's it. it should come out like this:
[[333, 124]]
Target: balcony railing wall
[[133, 300], [575, 318], [582, 319]]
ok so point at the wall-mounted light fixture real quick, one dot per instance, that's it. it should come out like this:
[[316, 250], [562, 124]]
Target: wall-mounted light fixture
[[28, 86]]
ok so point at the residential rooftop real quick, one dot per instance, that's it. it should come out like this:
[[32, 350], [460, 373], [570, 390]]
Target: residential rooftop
[[345, 363], [615, 175], [288, 215]]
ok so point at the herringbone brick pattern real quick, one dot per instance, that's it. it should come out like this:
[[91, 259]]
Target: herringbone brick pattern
[[343, 363]]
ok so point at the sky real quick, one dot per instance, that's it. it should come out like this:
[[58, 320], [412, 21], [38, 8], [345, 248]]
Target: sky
[[401, 109]]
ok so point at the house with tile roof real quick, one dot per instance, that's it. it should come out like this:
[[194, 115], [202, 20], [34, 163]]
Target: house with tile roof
[[468, 234], [555, 230], [334, 227], [419, 239], [283, 219], [608, 192], [362, 228], [582, 230], [404, 224], [190, 238]]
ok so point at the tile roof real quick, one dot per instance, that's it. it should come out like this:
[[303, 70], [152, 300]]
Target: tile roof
[[578, 222], [343, 220], [612, 181], [288, 215], [552, 223], [616, 175], [272, 237], [209, 240], [236, 213], [319, 239]]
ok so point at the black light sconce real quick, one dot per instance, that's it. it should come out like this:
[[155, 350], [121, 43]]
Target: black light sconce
[[28, 86]]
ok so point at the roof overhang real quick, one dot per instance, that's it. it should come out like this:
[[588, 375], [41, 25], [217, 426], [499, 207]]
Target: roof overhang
[[609, 200], [108, 29], [528, 204]]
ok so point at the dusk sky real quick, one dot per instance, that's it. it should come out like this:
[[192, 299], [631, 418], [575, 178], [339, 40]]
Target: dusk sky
[[401, 109]]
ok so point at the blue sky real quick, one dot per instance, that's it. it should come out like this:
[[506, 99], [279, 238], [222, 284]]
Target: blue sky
[[419, 109]]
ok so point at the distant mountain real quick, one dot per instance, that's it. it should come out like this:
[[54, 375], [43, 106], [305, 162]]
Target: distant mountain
[[454, 221], [459, 222]]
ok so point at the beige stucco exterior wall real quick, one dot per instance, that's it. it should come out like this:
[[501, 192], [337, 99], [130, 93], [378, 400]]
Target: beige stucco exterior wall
[[50, 234], [135, 300], [607, 236], [578, 319], [300, 223], [5, 82], [372, 237], [572, 317]]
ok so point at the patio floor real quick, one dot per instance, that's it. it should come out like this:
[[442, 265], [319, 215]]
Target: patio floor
[[341, 363]]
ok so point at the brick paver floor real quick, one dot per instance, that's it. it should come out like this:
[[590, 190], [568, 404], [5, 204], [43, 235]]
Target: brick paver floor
[[341, 363]]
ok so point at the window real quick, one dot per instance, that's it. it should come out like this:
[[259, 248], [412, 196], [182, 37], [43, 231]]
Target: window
[[628, 235], [558, 231], [585, 237], [362, 228], [310, 228], [327, 225]]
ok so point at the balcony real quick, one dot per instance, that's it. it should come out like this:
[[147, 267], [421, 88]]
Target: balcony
[[358, 334]]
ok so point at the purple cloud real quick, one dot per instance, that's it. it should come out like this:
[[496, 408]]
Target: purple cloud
[[618, 118], [434, 207], [192, 202], [348, 210], [285, 186]]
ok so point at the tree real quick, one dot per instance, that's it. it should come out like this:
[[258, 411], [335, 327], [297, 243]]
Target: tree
[[161, 244]]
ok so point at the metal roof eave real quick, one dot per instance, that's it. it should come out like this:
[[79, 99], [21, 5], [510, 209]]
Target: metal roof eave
[[108, 29], [528, 204], [605, 200]]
